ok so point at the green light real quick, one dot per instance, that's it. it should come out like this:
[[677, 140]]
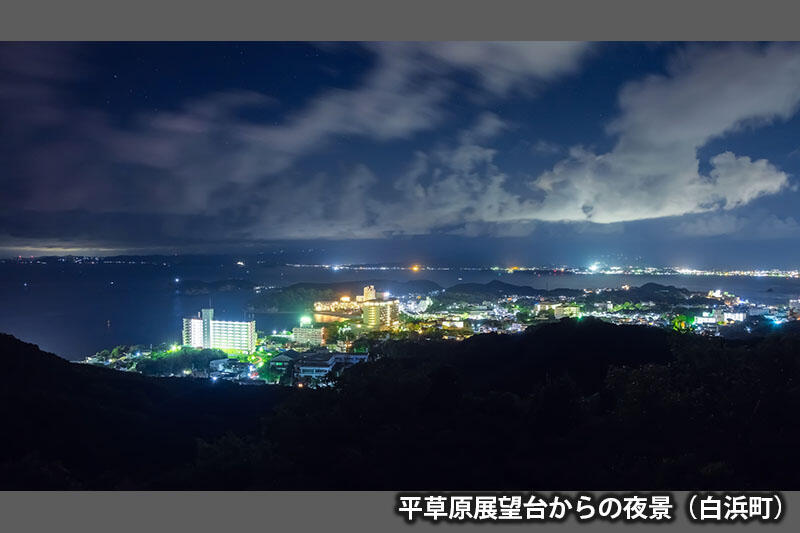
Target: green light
[[305, 320]]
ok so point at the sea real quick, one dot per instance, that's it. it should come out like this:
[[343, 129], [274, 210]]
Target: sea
[[75, 310]]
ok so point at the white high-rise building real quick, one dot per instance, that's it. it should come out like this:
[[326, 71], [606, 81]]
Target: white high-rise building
[[205, 332]]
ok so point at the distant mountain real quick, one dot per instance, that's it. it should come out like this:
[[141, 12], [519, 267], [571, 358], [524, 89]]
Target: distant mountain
[[499, 289], [354, 288], [652, 292], [649, 292], [300, 297]]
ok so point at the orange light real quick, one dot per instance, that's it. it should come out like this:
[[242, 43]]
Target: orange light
[[415, 268]]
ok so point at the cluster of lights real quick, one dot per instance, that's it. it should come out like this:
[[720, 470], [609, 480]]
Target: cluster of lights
[[594, 268], [742, 273], [336, 268]]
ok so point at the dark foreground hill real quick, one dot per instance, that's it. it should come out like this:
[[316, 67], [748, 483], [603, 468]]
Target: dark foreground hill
[[67, 425], [571, 404]]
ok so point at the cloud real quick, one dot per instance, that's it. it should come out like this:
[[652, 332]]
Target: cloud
[[653, 170], [754, 226], [505, 66], [207, 171], [487, 126], [546, 147], [209, 156], [712, 225], [405, 93], [456, 188]]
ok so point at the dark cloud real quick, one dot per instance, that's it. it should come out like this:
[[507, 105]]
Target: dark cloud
[[211, 172], [209, 157]]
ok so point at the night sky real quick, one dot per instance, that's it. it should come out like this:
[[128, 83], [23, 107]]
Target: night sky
[[536, 153]]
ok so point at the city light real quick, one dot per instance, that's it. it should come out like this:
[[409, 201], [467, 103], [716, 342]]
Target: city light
[[594, 268]]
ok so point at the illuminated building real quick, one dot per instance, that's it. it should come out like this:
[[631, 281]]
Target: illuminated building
[[309, 335], [369, 294], [719, 316], [317, 365], [571, 311], [734, 316], [281, 361], [380, 313], [706, 318], [546, 306], [345, 303], [344, 345], [205, 332], [342, 305]]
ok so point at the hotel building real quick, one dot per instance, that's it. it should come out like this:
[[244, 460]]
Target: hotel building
[[205, 332], [308, 335], [379, 314], [369, 294]]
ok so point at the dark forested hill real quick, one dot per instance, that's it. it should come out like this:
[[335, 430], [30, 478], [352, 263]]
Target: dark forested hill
[[570, 404], [67, 425], [573, 404]]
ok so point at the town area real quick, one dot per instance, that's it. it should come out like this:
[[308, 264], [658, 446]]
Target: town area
[[338, 332]]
